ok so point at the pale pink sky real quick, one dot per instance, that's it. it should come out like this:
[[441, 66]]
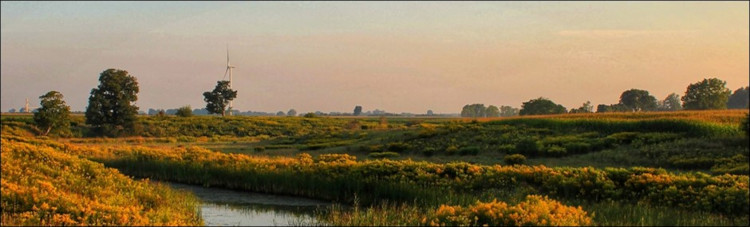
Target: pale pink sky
[[393, 56]]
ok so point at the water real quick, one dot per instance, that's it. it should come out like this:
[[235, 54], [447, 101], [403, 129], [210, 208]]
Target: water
[[222, 207]]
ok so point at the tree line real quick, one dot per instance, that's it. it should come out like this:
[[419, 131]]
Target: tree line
[[708, 94], [112, 111]]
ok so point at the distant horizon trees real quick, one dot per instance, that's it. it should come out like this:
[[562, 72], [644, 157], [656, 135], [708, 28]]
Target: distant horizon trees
[[585, 108], [541, 106], [357, 110], [474, 110], [740, 99], [291, 113], [184, 111], [637, 100], [706, 94], [111, 108]]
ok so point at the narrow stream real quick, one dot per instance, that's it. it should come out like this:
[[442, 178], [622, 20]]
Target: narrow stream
[[223, 207]]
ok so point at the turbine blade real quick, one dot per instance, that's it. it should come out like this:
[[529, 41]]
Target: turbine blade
[[225, 73]]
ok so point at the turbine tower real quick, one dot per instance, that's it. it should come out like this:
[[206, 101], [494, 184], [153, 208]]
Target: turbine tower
[[229, 70]]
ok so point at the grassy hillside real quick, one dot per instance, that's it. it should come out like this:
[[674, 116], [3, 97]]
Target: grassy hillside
[[42, 185]]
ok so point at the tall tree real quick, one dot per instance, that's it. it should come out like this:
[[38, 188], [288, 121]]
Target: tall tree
[[357, 110], [739, 99], [638, 100], [54, 113], [585, 108], [218, 99], [671, 103], [111, 108], [541, 106], [492, 111], [474, 110], [291, 113], [707, 94]]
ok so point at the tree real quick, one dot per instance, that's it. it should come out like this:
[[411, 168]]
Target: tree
[[430, 113], [671, 103], [53, 114], [541, 106], [585, 108], [707, 94], [357, 110], [638, 100], [507, 111], [12, 110], [184, 111], [474, 110], [111, 108], [291, 113], [739, 99], [280, 113], [492, 111], [217, 100]]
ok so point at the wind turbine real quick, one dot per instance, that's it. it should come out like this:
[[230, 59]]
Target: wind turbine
[[229, 70]]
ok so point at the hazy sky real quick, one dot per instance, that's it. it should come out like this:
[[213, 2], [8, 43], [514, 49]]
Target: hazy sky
[[393, 56]]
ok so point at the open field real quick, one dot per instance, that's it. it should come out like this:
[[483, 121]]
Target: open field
[[674, 168]]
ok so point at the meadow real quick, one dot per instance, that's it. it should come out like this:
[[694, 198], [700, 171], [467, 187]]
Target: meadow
[[673, 168]]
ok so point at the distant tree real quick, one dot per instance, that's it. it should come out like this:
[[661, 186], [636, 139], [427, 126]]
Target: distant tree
[[707, 94], [53, 114], [111, 106], [671, 103], [492, 111], [541, 106], [218, 99], [12, 110], [184, 111], [739, 99], [602, 108], [507, 111], [291, 113], [474, 110], [638, 100], [310, 115], [357, 110], [585, 108], [430, 113], [280, 113]]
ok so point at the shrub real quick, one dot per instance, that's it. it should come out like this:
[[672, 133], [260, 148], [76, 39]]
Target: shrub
[[557, 151], [385, 154], [184, 111], [309, 115], [506, 148], [514, 159], [528, 146], [472, 150], [451, 150]]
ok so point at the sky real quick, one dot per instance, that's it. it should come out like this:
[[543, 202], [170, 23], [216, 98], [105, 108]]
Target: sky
[[393, 56]]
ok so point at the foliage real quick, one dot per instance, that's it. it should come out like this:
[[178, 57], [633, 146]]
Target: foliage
[[111, 108], [54, 114], [514, 159], [585, 108], [638, 100], [671, 103], [474, 110], [533, 211], [740, 99], [218, 99], [707, 94], [492, 111], [507, 111], [291, 113], [184, 111], [42, 185], [541, 106]]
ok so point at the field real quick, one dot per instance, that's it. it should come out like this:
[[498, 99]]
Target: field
[[658, 168]]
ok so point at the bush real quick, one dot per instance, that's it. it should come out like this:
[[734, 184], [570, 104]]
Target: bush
[[385, 154], [506, 148], [514, 159], [184, 111], [429, 151], [451, 150], [398, 147], [528, 146], [309, 115], [472, 150], [556, 151]]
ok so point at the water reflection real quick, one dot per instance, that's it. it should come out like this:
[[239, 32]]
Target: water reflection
[[222, 207]]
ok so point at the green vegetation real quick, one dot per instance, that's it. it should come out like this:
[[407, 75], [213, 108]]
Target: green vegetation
[[609, 169], [54, 114], [111, 110]]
